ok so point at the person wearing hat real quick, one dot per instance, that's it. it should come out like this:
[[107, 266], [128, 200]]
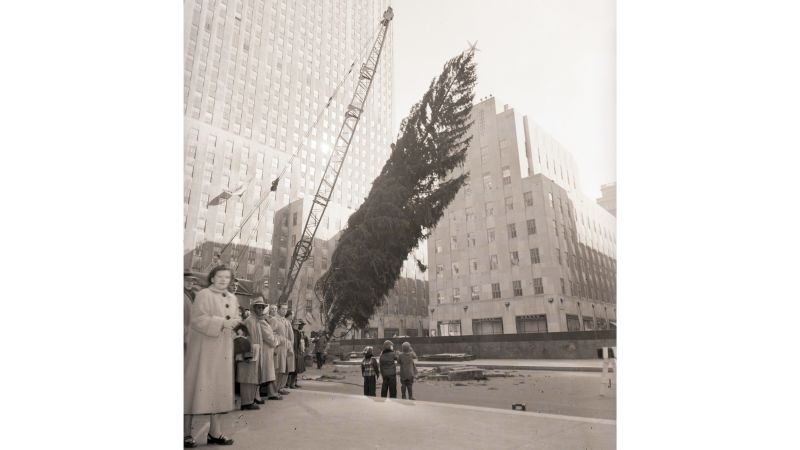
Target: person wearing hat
[[320, 344], [299, 353], [189, 282], [252, 373], [388, 370]]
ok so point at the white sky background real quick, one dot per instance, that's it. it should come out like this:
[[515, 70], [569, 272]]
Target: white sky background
[[552, 60]]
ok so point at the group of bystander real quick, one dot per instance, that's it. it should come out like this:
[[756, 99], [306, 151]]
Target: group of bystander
[[212, 321]]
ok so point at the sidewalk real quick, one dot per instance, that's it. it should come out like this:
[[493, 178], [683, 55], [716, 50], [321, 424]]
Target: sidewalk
[[308, 419], [568, 365]]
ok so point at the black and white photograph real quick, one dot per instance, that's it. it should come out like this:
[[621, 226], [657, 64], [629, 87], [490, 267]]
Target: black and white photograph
[[402, 213], [402, 224]]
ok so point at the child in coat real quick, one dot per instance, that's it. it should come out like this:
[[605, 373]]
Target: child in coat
[[387, 363], [408, 370], [370, 371]]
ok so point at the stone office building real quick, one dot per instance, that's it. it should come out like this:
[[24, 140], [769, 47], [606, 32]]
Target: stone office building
[[520, 249], [608, 200], [256, 75]]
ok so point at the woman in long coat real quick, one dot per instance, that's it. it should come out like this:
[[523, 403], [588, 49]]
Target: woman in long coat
[[208, 386]]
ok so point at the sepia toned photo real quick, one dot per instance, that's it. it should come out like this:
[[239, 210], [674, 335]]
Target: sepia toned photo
[[399, 224]]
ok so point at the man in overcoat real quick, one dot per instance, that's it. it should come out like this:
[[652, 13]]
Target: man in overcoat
[[300, 343], [319, 348], [270, 342], [252, 373], [279, 328], [287, 315]]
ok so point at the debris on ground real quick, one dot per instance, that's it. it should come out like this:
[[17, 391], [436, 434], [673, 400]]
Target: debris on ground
[[332, 377], [498, 373], [447, 357], [459, 373], [466, 374]]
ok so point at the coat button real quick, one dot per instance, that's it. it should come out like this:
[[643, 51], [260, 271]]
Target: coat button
[[226, 305], [228, 317]]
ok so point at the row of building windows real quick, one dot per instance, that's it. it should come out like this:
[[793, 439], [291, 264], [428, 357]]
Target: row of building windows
[[533, 323], [594, 259], [244, 67], [494, 288], [491, 236], [474, 266], [489, 209], [598, 289]]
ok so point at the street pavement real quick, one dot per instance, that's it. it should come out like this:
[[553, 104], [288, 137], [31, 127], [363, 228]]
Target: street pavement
[[584, 394], [308, 419]]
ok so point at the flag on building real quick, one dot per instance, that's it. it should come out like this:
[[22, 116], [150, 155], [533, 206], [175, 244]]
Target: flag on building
[[228, 194]]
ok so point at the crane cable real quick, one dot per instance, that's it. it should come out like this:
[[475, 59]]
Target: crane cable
[[274, 186], [300, 144]]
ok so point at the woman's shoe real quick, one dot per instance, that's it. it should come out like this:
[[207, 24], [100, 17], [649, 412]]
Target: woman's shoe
[[221, 440], [250, 407], [274, 397], [188, 442], [260, 402]]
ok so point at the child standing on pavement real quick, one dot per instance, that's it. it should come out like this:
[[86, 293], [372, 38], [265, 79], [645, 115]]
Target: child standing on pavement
[[388, 370], [370, 371], [408, 370]]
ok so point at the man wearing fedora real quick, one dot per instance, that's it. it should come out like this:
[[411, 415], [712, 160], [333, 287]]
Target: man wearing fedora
[[252, 373]]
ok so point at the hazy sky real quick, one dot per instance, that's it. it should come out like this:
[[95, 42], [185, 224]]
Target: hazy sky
[[552, 60]]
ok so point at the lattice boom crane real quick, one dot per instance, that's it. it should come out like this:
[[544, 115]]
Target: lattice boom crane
[[302, 251]]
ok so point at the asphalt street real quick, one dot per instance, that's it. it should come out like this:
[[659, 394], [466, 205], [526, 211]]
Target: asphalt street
[[554, 392]]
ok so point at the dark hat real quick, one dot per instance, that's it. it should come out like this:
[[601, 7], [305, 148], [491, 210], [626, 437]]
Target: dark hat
[[257, 301]]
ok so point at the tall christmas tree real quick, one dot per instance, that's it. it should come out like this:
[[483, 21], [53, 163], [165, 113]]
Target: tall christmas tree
[[406, 201]]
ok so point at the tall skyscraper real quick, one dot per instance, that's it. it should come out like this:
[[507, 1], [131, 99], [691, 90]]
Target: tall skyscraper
[[520, 249], [256, 76]]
